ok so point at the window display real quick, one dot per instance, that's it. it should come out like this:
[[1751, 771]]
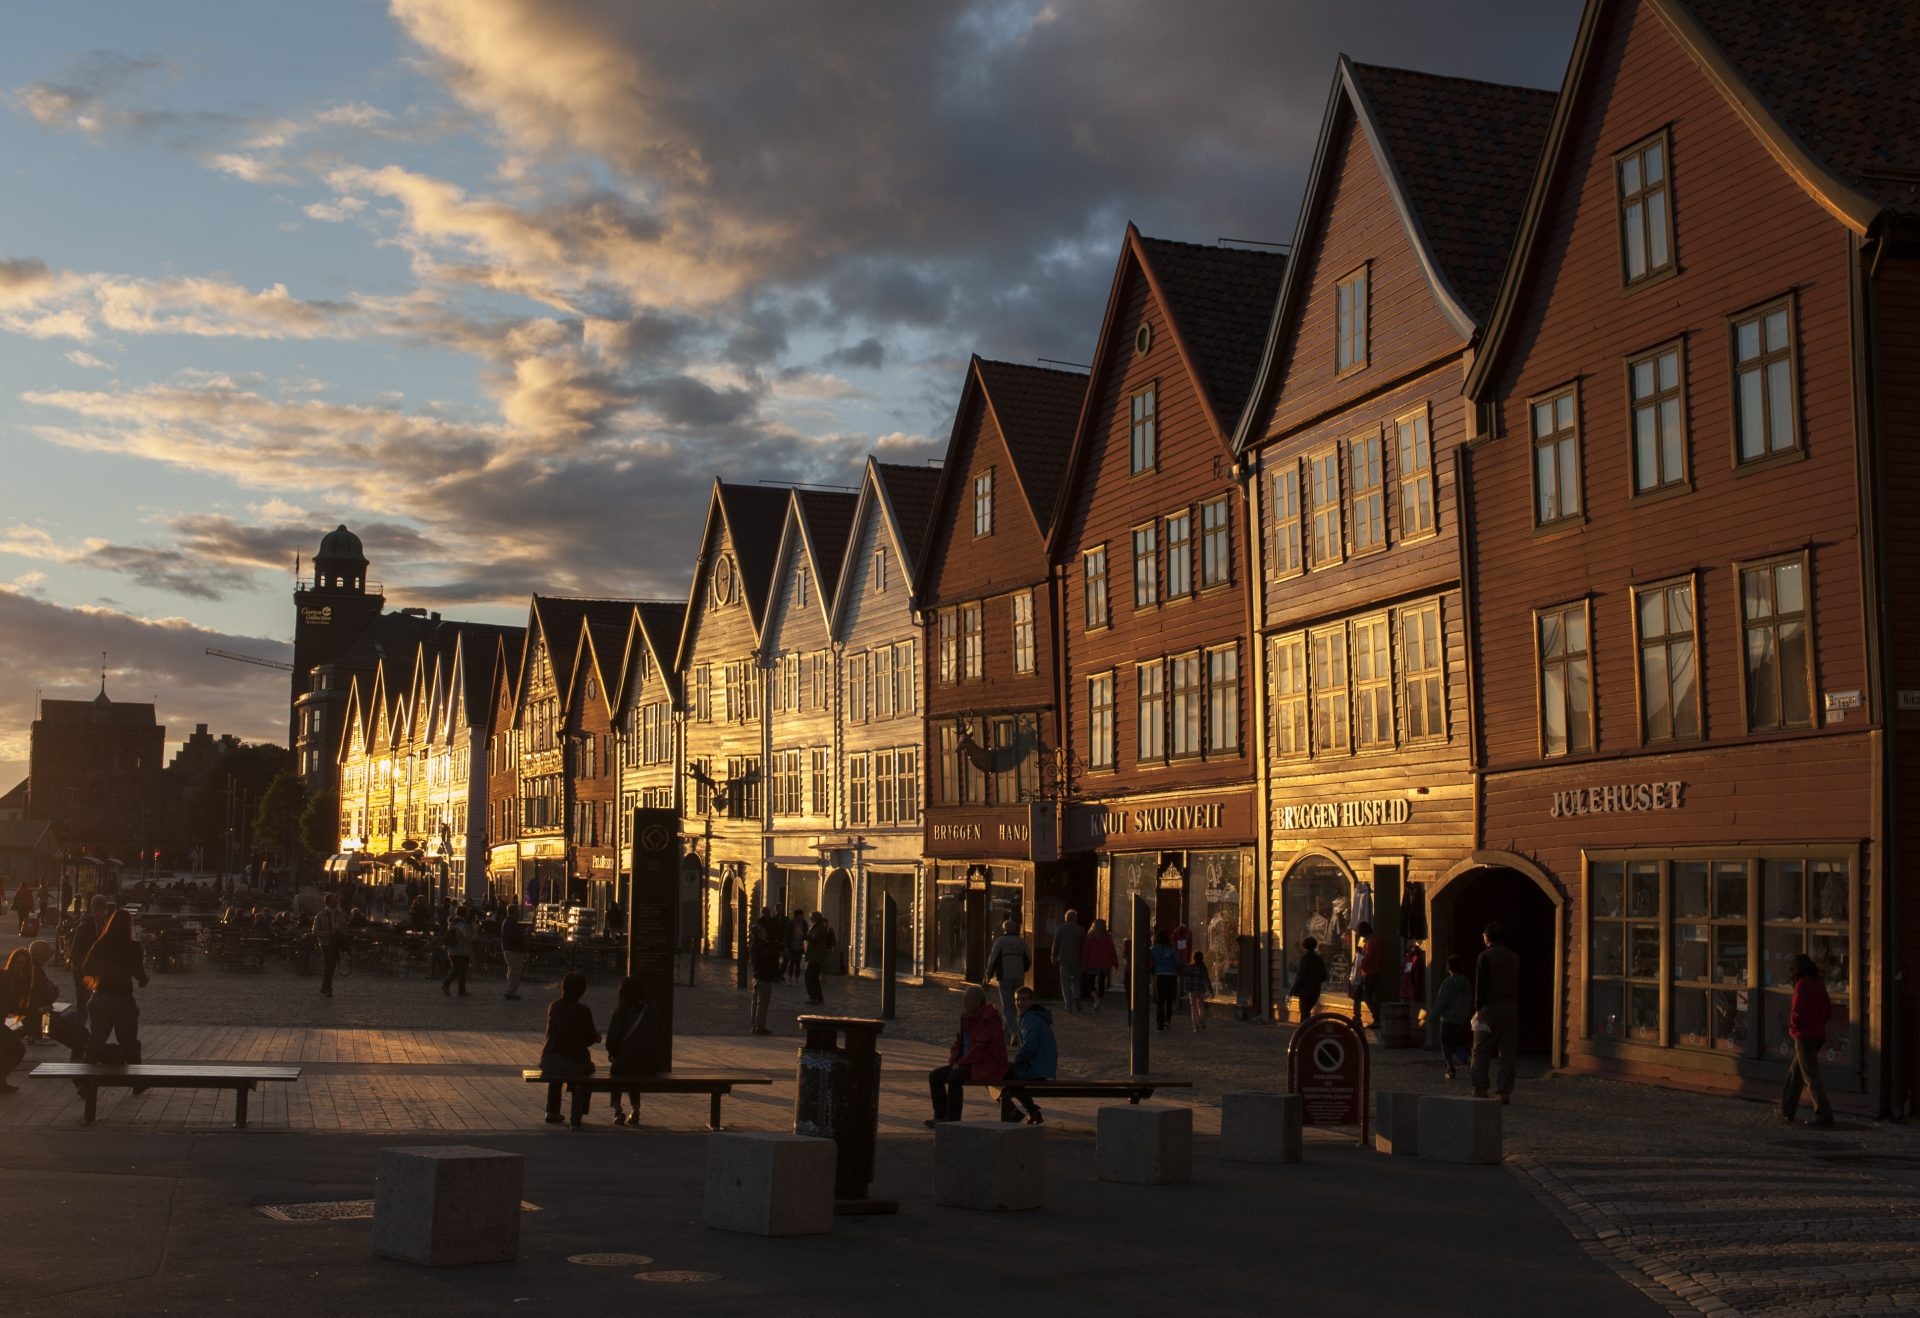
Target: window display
[[1317, 902]]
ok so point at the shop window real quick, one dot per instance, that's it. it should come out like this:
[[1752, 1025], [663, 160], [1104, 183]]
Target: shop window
[[1316, 901], [950, 921], [1711, 1001], [1805, 908], [1623, 981], [1218, 883], [1777, 643]]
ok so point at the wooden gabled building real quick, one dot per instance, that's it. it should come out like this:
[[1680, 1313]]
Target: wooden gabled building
[[647, 726], [1350, 441], [503, 766], [593, 762]]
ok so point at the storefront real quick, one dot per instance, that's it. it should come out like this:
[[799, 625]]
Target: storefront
[[987, 865]]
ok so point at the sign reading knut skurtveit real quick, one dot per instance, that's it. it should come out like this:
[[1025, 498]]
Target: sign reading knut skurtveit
[[1328, 1066]]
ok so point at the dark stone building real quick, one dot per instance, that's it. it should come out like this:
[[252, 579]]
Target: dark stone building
[[95, 774]]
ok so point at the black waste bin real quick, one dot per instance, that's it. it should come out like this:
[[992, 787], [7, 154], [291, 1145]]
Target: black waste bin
[[836, 1096]]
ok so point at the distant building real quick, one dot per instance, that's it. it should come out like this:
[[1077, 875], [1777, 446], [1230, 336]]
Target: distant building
[[95, 775], [14, 804]]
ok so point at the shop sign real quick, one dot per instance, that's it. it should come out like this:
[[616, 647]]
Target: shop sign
[[1907, 701], [1004, 833], [603, 862], [1371, 813], [1327, 1066], [1616, 798], [1226, 817], [320, 617]]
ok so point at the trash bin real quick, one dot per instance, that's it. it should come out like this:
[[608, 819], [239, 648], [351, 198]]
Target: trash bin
[[1396, 1025], [836, 1096]]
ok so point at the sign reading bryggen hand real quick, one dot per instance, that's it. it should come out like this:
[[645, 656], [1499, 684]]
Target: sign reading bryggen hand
[[1022, 832]]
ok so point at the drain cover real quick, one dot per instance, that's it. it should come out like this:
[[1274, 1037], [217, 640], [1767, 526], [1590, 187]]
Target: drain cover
[[611, 1260], [337, 1210], [667, 1274]]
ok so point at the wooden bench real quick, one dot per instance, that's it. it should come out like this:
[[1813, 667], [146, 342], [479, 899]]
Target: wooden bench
[[1133, 1088], [90, 1079], [713, 1086]]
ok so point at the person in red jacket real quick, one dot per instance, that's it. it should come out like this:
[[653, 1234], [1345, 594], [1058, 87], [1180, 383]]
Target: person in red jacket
[[1807, 1019], [979, 1054]]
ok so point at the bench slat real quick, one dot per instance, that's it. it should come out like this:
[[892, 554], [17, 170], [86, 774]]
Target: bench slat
[[161, 1072], [644, 1083]]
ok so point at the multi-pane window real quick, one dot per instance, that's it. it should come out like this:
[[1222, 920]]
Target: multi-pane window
[[1023, 632], [1556, 459], [1623, 993], [818, 802], [883, 682], [971, 657], [1566, 681], [1216, 543], [703, 693], [1223, 699], [1329, 679], [1709, 922], [1323, 503], [1286, 557], [880, 571], [786, 783], [1804, 910], [983, 503], [883, 787], [822, 674], [906, 677], [858, 666], [1093, 568], [1187, 704], [1350, 321], [1423, 674], [1646, 218], [1369, 493], [949, 646], [1179, 554], [1669, 674], [1778, 645], [1372, 683], [1763, 382], [1145, 439], [802, 586], [1287, 671], [1151, 680], [906, 787], [1146, 566], [858, 776], [1100, 739], [1659, 420], [1415, 473]]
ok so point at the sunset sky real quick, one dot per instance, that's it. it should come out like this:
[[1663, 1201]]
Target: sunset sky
[[502, 284]]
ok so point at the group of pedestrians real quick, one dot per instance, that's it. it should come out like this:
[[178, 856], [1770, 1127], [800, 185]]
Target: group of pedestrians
[[103, 1024], [776, 945]]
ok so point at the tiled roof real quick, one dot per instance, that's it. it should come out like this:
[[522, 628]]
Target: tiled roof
[[135, 712], [661, 621], [912, 491], [755, 514], [1466, 152], [1841, 76], [479, 650], [1220, 300], [1038, 408], [560, 618], [829, 517]]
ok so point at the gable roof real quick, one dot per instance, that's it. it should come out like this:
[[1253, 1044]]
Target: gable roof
[[558, 620], [1035, 408], [652, 633], [479, 651], [826, 516], [908, 495], [752, 517], [17, 798]]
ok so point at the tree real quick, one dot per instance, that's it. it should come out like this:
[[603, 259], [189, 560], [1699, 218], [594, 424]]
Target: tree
[[320, 824], [277, 828]]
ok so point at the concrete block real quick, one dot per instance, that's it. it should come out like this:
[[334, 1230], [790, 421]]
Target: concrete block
[[448, 1206], [995, 1165], [1460, 1129], [770, 1184], [1396, 1123], [1144, 1144], [1261, 1127]]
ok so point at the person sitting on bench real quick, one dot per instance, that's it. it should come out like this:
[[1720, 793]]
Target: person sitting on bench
[[568, 1049], [65, 1030], [1037, 1059], [979, 1054]]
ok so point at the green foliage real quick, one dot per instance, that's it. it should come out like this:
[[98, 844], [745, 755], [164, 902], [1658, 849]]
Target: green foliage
[[277, 827], [320, 824]]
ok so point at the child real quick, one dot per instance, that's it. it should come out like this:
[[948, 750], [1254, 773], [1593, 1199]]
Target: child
[[1197, 984], [1453, 1004]]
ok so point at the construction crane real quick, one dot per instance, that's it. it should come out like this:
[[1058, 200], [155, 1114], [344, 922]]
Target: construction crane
[[249, 659]]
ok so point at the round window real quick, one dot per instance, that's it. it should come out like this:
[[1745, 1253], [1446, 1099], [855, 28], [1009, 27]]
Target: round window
[[1143, 338], [723, 580]]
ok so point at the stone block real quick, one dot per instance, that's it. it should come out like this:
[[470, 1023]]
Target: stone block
[[447, 1206], [994, 1165], [1261, 1127], [1396, 1123], [769, 1184], [1144, 1144], [1460, 1129]]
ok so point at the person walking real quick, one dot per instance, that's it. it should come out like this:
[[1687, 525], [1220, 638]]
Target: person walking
[[1069, 952], [1007, 962], [819, 946], [115, 963], [1365, 984], [1309, 977], [1808, 1016], [23, 904], [1165, 963], [1037, 1056], [330, 936], [567, 1050], [1197, 983], [978, 1054], [459, 950], [513, 948], [629, 1044], [1453, 1007], [1098, 959], [796, 946], [769, 968], [1496, 998], [84, 935]]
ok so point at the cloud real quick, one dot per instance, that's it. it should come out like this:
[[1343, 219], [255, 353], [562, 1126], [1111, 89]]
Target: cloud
[[87, 359]]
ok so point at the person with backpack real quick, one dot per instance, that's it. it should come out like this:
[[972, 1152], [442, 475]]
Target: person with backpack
[[819, 946], [769, 968]]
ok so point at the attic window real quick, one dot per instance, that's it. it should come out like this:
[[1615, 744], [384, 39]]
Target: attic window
[[879, 571], [1143, 338]]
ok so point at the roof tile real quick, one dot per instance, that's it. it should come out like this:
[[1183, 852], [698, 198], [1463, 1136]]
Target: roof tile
[[1038, 408], [1220, 300]]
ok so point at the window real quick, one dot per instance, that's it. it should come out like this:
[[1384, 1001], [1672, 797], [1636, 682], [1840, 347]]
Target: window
[[1423, 677], [1216, 544], [786, 783], [970, 643], [1023, 632], [882, 682], [1100, 721], [880, 571], [1369, 493], [1350, 321], [1287, 671], [1623, 997], [1179, 554], [1804, 907], [1093, 567], [1187, 704], [1779, 651], [1415, 450], [1646, 219], [788, 677], [703, 693], [1329, 685], [818, 801], [1669, 676], [949, 646], [906, 677], [1286, 555], [1223, 700], [1659, 420], [883, 787], [1146, 567], [1323, 501], [857, 778], [1556, 459], [1372, 684], [1145, 443], [822, 674], [906, 767], [801, 586], [1015, 758], [1763, 382], [1152, 710], [983, 503], [1566, 681], [857, 669]]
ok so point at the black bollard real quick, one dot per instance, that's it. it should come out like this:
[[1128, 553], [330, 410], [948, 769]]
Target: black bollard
[[1139, 985], [889, 911], [743, 938]]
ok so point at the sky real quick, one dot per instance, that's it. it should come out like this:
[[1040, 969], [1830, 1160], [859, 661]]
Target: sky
[[503, 284]]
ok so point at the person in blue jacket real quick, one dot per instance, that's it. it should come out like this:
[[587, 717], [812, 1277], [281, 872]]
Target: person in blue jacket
[[1037, 1059], [1166, 977]]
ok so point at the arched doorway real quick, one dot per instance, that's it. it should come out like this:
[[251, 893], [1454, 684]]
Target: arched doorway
[[1481, 891], [1316, 901], [729, 898], [836, 899]]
